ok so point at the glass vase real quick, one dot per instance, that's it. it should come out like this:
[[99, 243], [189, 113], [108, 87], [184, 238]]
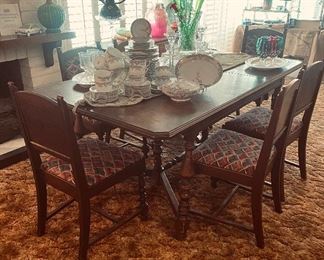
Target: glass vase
[[188, 34], [158, 19]]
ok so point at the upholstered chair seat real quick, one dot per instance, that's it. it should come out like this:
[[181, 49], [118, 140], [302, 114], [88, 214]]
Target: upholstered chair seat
[[100, 161], [256, 121], [230, 150]]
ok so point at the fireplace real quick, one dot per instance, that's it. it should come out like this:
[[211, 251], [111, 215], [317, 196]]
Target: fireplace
[[9, 127]]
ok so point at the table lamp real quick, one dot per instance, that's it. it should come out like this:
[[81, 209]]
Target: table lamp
[[110, 10]]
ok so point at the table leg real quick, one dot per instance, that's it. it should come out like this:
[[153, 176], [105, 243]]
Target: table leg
[[157, 151], [145, 147], [276, 91], [274, 96], [186, 173]]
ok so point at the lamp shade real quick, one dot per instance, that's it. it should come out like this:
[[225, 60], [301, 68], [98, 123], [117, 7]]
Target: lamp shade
[[110, 10]]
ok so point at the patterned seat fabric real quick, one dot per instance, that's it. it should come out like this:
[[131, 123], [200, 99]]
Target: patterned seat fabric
[[255, 123], [230, 150], [71, 67], [100, 160]]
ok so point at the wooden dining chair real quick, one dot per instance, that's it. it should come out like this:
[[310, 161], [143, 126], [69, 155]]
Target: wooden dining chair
[[249, 41], [69, 61], [70, 66], [245, 161], [251, 36], [255, 122], [81, 168]]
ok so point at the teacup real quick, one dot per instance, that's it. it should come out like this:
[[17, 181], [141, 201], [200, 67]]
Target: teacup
[[136, 81], [102, 76], [103, 87], [143, 90], [104, 95], [137, 68], [99, 62], [114, 64]]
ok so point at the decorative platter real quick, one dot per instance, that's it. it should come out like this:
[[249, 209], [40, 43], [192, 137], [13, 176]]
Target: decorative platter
[[141, 30], [199, 68], [122, 101], [266, 64]]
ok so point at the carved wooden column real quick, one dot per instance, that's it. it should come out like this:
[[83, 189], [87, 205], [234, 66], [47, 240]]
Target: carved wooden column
[[157, 151], [186, 173]]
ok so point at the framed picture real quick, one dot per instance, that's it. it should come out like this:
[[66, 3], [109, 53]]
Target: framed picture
[[10, 19]]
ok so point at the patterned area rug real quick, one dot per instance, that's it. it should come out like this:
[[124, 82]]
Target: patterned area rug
[[297, 233]]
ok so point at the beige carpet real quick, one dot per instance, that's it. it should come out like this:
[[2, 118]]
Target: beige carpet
[[297, 233]]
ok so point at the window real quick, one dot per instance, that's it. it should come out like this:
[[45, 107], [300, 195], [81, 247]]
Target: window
[[83, 20], [220, 17]]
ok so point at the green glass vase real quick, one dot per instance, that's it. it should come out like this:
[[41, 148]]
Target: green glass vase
[[188, 33], [51, 16]]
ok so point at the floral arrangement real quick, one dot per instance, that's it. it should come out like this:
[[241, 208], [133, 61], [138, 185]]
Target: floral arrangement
[[188, 13]]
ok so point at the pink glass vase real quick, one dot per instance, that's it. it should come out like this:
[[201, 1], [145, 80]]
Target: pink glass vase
[[158, 19]]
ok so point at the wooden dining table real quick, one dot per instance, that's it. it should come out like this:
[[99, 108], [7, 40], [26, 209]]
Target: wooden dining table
[[160, 119]]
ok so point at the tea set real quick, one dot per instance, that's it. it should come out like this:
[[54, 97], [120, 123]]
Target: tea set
[[122, 80], [136, 81]]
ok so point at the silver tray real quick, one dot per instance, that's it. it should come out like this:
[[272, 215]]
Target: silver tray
[[122, 101]]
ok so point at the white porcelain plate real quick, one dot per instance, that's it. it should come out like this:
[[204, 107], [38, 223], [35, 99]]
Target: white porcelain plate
[[199, 68], [266, 64]]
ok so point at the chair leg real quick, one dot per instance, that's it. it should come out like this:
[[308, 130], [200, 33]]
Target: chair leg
[[302, 156], [256, 203], [100, 135], [143, 197], [107, 136], [84, 219], [275, 185], [258, 102], [238, 112], [41, 208]]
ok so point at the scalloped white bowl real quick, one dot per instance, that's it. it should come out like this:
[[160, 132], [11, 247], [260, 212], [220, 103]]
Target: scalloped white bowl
[[181, 90]]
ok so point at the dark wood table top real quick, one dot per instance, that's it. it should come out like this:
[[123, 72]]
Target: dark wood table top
[[162, 118]]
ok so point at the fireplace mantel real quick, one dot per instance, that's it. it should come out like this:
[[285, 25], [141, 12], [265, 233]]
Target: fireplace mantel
[[49, 41]]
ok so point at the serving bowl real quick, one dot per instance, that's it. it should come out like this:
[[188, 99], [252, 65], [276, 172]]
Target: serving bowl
[[181, 90]]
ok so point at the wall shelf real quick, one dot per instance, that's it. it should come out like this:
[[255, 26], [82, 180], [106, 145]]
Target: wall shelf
[[268, 16], [49, 42]]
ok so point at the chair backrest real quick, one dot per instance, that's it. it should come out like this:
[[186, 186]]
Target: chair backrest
[[69, 61], [251, 36], [309, 87], [279, 125], [47, 128]]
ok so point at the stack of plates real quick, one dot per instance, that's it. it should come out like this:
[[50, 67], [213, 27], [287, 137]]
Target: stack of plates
[[151, 55]]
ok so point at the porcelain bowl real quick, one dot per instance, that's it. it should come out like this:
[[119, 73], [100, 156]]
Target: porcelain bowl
[[181, 90]]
